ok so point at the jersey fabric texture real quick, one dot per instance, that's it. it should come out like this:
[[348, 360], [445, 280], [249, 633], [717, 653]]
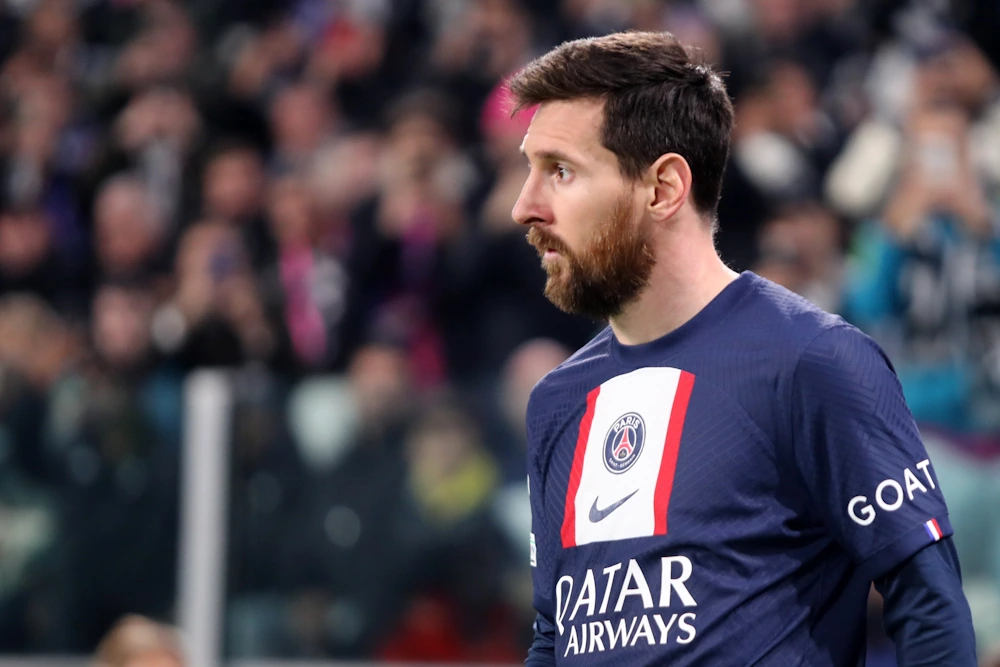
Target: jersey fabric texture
[[726, 494]]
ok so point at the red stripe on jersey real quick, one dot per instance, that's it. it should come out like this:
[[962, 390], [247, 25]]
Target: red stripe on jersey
[[576, 473], [668, 464], [937, 527]]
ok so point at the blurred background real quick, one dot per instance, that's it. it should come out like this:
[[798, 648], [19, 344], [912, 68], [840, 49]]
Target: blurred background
[[267, 330]]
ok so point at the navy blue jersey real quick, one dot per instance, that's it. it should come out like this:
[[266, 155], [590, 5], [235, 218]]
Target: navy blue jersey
[[724, 495]]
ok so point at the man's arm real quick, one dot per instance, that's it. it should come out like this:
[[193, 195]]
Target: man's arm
[[542, 651], [925, 611], [859, 452]]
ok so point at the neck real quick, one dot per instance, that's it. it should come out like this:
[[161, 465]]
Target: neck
[[687, 276]]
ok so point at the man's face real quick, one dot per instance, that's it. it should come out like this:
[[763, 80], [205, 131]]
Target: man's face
[[121, 326], [595, 246], [233, 183], [125, 231]]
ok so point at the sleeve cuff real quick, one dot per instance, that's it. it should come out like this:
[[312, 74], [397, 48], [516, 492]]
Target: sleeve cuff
[[903, 547]]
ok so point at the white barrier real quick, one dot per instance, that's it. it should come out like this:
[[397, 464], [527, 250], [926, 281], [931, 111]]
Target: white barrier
[[201, 578]]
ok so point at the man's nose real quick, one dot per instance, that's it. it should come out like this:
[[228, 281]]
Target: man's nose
[[529, 208]]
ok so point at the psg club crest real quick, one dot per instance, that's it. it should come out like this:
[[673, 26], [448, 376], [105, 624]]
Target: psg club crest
[[623, 443]]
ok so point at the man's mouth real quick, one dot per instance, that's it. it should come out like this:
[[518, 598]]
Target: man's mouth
[[547, 248]]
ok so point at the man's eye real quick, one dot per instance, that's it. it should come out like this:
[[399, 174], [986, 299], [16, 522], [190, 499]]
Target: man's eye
[[562, 173]]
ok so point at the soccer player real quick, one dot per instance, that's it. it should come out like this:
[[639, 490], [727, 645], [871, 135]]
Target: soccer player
[[718, 477]]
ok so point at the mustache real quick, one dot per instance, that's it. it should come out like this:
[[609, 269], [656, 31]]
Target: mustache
[[543, 240]]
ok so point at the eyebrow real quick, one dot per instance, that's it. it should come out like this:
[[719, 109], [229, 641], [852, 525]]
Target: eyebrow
[[551, 156]]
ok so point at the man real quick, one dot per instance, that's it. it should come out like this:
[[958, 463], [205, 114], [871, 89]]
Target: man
[[718, 477]]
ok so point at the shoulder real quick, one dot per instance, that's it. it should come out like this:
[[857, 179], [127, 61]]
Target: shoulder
[[790, 328], [788, 317], [577, 370], [810, 339], [778, 350], [845, 362]]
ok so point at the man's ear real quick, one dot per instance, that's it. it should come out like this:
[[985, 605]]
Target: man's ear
[[668, 180]]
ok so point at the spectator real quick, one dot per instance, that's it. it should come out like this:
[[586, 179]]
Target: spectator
[[260, 61], [312, 284], [136, 641], [112, 442], [302, 119], [353, 542], [159, 136], [909, 287], [268, 488], [801, 249], [50, 35], [457, 611], [351, 56], [425, 182], [216, 315], [233, 191], [39, 170], [28, 512], [478, 45], [782, 143], [128, 233], [953, 72], [161, 52], [29, 263]]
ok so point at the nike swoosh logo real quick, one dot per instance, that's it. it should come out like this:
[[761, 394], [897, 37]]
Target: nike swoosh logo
[[600, 515]]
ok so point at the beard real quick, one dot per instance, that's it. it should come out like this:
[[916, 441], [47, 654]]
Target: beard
[[601, 279]]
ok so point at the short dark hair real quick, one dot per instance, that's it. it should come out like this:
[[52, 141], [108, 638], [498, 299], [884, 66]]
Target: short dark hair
[[658, 99]]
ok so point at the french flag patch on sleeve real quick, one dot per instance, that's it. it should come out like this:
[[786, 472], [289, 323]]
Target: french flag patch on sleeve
[[933, 529]]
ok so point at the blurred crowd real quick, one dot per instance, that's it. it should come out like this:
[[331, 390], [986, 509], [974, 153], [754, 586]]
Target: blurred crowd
[[316, 195]]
